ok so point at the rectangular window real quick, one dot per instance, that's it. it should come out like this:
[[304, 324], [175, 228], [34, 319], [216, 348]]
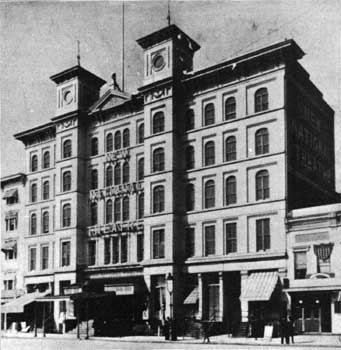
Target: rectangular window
[[92, 252], [213, 302], [107, 250], [115, 251], [158, 244], [231, 237], [263, 234], [337, 307], [190, 242], [32, 259], [140, 247], [124, 249], [300, 259], [11, 224], [44, 257], [11, 254], [323, 265], [65, 253], [8, 284], [209, 240]]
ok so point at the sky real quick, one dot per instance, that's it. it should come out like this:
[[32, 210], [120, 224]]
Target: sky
[[39, 39]]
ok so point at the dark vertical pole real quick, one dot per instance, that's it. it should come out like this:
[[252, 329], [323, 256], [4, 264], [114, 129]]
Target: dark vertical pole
[[78, 333], [87, 319], [44, 334], [35, 319]]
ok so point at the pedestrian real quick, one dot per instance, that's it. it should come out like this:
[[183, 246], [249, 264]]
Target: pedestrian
[[282, 330], [287, 330], [166, 326], [206, 330], [291, 329]]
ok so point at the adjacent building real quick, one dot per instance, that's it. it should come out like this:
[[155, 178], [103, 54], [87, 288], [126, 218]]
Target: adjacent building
[[190, 179]]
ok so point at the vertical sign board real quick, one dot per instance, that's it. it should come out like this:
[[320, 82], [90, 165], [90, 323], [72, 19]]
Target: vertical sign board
[[268, 330]]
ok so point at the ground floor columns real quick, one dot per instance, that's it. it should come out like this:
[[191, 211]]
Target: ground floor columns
[[200, 296], [221, 296], [244, 303]]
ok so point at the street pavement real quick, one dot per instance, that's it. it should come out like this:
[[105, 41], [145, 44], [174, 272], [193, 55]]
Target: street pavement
[[69, 342]]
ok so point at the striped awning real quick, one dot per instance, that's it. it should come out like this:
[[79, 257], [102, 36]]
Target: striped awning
[[17, 305], [8, 246], [260, 286], [192, 297], [13, 192]]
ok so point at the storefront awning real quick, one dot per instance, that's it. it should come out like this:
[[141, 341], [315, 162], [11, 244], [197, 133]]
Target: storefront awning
[[260, 286], [8, 246], [17, 305], [13, 192], [193, 297]]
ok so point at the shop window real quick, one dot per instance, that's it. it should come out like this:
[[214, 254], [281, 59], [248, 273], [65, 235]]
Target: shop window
[[158, 199], [108, 176], [231, 190], [262, 185], [262, 234], [140, 170], [65, 253], [117, 140], [190, 242], [66, 181], [158, 122], [34, 163], [46, 160], [46, 190], [189, 120], [190, 197], [189, 156], [209, 114], [140, 247], [231, 237], [126, 138], [94, 179], [44, 257], [66, 215], [262, 141], [109, 143], [92, 252], [158, 244], [213, 302], [209, 153], [261, 100], [158, 160], [300, 260], [230, 108], [67, 149], [231, 148], [209, 240], [209, 194], [141, 134], [94, 146]]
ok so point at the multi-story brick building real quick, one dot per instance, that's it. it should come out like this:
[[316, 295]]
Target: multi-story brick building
[[192, 177]]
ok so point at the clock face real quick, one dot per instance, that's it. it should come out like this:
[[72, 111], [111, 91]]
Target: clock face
[[68, 96], [158, 62]]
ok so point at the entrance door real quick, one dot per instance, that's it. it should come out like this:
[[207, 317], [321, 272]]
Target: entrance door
[[312, 317]]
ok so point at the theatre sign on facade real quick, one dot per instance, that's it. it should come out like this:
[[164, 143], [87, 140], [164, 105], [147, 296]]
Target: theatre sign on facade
[[197, 178]]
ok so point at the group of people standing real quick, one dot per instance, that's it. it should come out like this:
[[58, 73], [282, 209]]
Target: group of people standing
[[287, 330]]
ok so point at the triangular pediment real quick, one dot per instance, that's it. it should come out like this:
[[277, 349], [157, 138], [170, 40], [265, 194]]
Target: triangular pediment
[[111, 98]]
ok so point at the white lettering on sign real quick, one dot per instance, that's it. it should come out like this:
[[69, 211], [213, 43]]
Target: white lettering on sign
[[117, 227], [118, 155], [118, 190], [120, 290]]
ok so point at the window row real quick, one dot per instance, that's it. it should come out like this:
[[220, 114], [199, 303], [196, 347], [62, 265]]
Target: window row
[[45, 161], [230, 238], [261, 147], [262, 191], [261, 103]]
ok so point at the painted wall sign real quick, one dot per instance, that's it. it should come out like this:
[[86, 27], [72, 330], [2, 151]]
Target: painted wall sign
[[118, 190], [102, 230], [117, 155]]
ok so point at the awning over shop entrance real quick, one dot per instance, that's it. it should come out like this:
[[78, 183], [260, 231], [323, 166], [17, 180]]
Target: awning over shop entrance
[[9, 246], [13, 192], [260, 286], [192, 297], [17, 305]]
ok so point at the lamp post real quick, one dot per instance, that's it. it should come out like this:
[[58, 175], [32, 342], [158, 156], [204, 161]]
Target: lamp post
[[170, 288]]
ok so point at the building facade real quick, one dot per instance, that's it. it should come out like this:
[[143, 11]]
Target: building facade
[[192, 177]]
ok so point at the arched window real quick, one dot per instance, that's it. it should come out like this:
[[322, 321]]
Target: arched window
[[209, 194], [33, 224], [190, 200], [158, 199], [125, 172], [189, 120], [126, 138], [125, 208], [209, 114], [117, 140], [33, 193], [158, 122], [158, 160], [261, 100], [141, 134], [46, 222], [190, 161], [108, 211], [66, 181], [262, 141], [93, 214], [231, 190], [140, 205], [262, 185], [230, 108], [94, 179], [209, 153], [140, 170], [230, 148], [67, 149], [108, 176], [46, 160], [66, 215], [117, 174], [117, 209], [94, 146], [109, 143], [46, 190], [34, 163]]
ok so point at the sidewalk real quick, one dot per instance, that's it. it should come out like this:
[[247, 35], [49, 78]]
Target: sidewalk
[[332, 341]]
